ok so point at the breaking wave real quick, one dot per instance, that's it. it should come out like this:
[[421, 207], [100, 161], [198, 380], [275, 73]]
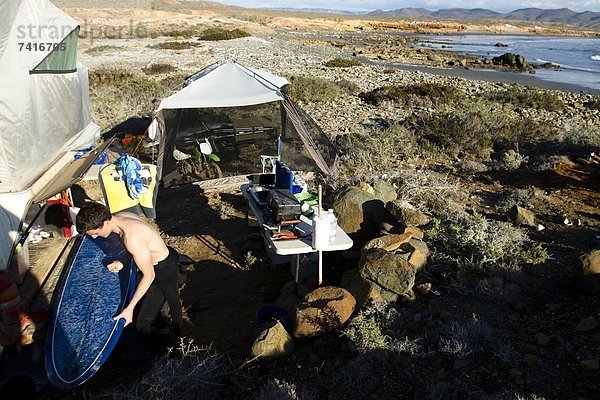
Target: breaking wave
[[596, 58]]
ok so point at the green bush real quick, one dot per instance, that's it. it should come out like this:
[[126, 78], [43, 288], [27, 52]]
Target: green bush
[[185, 30], [593, 104], [213, 34], [480, 245], [527, 97], [313, 90], [479, 127], [101, 49], [187, 372], [378, 152], [174, 45], [348, 86], [342, 63], [364, 334], [117, 94], [403, 94], [512, 160], [519, 197], [159, 68]]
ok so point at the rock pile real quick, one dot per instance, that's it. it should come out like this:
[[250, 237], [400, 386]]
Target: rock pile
[[323, 310], [389, 263], [511, 60]]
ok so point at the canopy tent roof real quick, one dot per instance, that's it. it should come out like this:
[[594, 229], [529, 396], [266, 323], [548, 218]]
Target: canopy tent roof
[[227, 85], [200, 112]]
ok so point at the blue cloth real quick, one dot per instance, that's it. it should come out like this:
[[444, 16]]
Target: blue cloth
[[130, 168]]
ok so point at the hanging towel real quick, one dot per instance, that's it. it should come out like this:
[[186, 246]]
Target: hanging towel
[[130, 170]]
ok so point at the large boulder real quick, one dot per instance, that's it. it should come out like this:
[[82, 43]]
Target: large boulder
[[522, 216], [406, 213], [587, 279], [358, 212], [590, 263], [288, 301], [362, 289], [323, 310], [384, 191], [389, 270], [272, 342], [511, 60], [418, 253], [386, 242]]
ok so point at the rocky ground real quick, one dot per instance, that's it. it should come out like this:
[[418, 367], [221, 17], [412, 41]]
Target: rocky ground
[[451, 291]]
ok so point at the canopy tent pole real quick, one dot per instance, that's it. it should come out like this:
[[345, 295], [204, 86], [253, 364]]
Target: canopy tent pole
[[283, 113], [161, 150]]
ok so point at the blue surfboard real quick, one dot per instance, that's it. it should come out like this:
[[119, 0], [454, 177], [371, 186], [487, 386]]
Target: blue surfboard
[[82, 332]]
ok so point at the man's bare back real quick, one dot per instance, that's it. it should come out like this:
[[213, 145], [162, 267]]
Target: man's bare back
[[142, 242], [133, 226]]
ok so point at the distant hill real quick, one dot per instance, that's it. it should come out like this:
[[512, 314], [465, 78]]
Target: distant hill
[[563, 15], [313, 10]]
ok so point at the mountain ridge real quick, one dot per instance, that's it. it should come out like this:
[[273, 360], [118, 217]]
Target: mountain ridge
[[587, 19]]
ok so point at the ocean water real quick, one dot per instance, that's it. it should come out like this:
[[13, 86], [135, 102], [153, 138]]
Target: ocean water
[[578, 58]]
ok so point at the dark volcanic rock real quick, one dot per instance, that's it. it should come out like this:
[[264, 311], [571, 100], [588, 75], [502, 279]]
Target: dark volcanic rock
[[511, 60]]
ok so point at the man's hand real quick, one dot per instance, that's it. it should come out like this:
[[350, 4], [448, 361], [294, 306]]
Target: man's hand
[[127, 315], [115, 266]]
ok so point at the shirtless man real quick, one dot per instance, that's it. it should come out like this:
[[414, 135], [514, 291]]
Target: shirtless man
[[158, 263]]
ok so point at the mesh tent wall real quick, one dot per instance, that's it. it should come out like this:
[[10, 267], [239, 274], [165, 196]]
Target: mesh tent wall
[[216, 106], [44, 103]]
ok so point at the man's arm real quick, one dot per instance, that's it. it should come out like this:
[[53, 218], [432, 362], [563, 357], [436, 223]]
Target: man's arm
[[143, 259]]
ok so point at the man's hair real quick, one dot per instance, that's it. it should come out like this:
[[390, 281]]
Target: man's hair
[[92, 216]]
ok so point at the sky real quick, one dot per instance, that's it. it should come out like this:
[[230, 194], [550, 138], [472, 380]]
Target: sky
[[370, 5]]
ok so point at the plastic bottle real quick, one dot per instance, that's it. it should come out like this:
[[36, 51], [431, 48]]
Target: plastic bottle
[[320, 235], [332, 225]]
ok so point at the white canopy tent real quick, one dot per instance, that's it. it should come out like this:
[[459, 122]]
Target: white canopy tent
[[230, 84], [227, 85], [44, 107]]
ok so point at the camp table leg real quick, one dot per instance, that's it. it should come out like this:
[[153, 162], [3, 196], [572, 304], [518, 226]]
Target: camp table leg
[[320, 267], [297, 257]]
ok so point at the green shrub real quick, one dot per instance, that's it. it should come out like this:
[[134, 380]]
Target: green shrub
[[101, 49], [519, 197], [313, 90], [213, 34], [280, 389], [364, 334], [174, 45], [348, 86], [527, 97], [342, 63], [379, 151], [480, 245], [455, 132], [477, 127], [403, 94], [461, 338], [188, 372], [117, 94], [593, 104], [186, 31], [512, 160], [159, 68]]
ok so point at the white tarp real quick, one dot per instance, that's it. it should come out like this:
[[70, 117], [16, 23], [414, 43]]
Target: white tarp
[[227, 85], [12, 210], [41, 115]]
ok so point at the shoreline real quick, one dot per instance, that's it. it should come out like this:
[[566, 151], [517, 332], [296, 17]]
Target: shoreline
[[491, 75]]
